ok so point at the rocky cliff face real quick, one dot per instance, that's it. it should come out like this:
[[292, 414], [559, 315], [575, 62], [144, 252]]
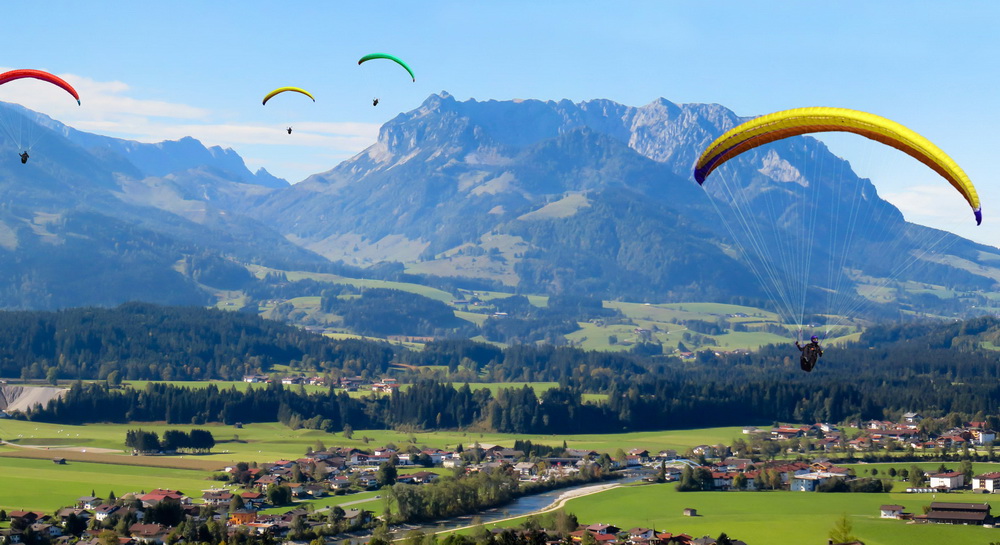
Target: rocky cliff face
[[22, 398], [495, 190]]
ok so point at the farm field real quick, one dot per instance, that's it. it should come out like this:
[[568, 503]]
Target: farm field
[[269, 441], [45, 486], [774, 517], [865, 469], [660, 318]]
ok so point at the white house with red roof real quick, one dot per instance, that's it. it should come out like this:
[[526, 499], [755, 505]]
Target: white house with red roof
[[949, 480]]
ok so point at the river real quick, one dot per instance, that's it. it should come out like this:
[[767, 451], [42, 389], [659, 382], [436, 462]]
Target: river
[[525, 505]]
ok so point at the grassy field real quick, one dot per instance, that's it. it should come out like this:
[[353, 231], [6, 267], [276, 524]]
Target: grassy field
[[865, 469], [774, 517], [267, 442], [432, 293], [42, 485]]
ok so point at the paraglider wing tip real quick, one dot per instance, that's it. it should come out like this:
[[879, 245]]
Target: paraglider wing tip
[[979, 216], [78, 103], [699, 176], [414, 80]]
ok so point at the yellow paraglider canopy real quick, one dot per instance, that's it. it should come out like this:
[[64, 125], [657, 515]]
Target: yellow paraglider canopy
[[280, 90], [786, 123]]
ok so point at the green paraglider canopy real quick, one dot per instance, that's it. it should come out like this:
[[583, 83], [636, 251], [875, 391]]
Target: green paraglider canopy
[[392, 58]]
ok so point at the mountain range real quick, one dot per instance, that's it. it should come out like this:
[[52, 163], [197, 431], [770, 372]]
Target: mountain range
[[529, 196]]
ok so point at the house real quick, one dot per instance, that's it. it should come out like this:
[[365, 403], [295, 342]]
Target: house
[[526, 469], [912, 418], [949, 480], [217, 497], [808, 482], [162, 494], [11, 535], [104, 511], [508, 454], [65, 512], [89, 502], [704, 450], [268, 480], [255, 378], [890, 511], [253, 499], [602, 529], [735, 464], [437, 456], [983, 436], [959, 513], [666, 454], [642, 453], [641, 533], [423, 477], [689, 512], [242, 516], [987, 481], [148, 533], [28, 517], [45, 529], [356, 517]]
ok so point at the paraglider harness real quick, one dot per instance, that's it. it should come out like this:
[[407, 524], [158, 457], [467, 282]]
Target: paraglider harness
[[24, 158], [289, 130], [810, 353]]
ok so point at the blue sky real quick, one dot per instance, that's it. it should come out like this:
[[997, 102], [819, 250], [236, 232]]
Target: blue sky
[[162, 70]]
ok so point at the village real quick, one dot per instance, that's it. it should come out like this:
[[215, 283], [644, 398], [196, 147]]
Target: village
[[247, 500]]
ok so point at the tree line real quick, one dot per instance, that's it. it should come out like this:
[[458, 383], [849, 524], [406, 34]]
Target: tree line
[[173, 440], [933, 368]]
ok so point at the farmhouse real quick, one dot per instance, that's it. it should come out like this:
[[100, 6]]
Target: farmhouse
[[959, 513], [890, 511]]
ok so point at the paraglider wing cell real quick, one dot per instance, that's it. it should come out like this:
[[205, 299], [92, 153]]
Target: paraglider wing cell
[[39, 75], [392, 58], [787, 123]]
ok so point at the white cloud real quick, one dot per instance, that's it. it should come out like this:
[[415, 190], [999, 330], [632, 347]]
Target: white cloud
[[941, 202], [104, 100], [942, 207]]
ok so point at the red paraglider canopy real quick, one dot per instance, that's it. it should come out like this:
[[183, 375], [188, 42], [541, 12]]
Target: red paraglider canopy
[[40, 75]]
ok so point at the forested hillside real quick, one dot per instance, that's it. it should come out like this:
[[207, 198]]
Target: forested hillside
[[931, 367], [146, 341]]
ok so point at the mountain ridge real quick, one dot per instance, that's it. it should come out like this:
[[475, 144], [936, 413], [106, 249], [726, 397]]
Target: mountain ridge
[[545, 197]]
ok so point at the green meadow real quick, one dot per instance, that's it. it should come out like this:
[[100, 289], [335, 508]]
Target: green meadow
[[865, 469], [773, 517], [46, 486], [270, 441]]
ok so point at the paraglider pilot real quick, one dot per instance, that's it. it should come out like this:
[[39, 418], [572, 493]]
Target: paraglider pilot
[[375, 102], [810, 353], [24, 158], [289, 130]]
